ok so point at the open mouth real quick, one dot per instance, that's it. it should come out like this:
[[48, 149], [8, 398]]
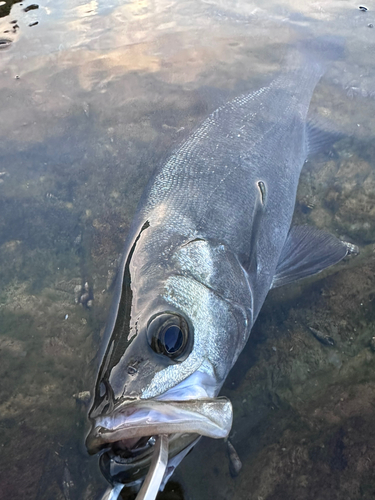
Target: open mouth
[[128, 434], [119, 464]]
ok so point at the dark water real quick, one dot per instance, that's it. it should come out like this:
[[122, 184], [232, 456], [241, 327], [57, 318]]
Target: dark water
[[93, 98]]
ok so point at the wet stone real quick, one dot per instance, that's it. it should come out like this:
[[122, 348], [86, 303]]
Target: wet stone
[[352, 200], [33, 6], [82, 397], [5, 43], [323, 338], [235, 464]]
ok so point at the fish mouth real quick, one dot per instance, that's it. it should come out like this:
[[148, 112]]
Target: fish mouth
[[127, 435]]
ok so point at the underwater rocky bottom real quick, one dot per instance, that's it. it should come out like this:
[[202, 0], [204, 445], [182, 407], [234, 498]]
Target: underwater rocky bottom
[[303, 390]]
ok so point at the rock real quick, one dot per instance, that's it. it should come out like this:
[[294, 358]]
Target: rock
[[83, 397]]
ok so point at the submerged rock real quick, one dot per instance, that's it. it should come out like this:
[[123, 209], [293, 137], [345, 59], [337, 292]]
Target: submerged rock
[[83, 397], [235, 464]]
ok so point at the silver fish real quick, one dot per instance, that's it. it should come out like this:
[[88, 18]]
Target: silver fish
[[210, 238]]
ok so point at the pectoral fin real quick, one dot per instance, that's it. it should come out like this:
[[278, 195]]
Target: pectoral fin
[[307, 251]]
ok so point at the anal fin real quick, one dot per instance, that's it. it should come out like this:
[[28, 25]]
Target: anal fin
[[307, 251], [321, 135]]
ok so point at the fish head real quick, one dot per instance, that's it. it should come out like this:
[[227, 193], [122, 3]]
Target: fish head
[[175, 338]]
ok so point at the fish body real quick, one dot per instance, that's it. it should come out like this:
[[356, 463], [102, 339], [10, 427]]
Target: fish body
[[211, 236]]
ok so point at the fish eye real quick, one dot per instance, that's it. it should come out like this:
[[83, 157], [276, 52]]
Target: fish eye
[[169, 335]]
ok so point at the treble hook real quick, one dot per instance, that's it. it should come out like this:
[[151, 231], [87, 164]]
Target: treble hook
[[155, 474], [154, 477]]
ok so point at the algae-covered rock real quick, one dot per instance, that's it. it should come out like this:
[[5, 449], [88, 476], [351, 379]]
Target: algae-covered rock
[[340, 195], [352, 200]]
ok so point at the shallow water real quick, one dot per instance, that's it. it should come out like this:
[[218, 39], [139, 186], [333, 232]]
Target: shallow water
[[93, 98]]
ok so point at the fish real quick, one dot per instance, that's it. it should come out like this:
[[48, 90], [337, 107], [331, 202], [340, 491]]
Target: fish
[[211, 236]]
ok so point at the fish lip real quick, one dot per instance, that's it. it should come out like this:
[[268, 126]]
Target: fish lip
[[210, 417]]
